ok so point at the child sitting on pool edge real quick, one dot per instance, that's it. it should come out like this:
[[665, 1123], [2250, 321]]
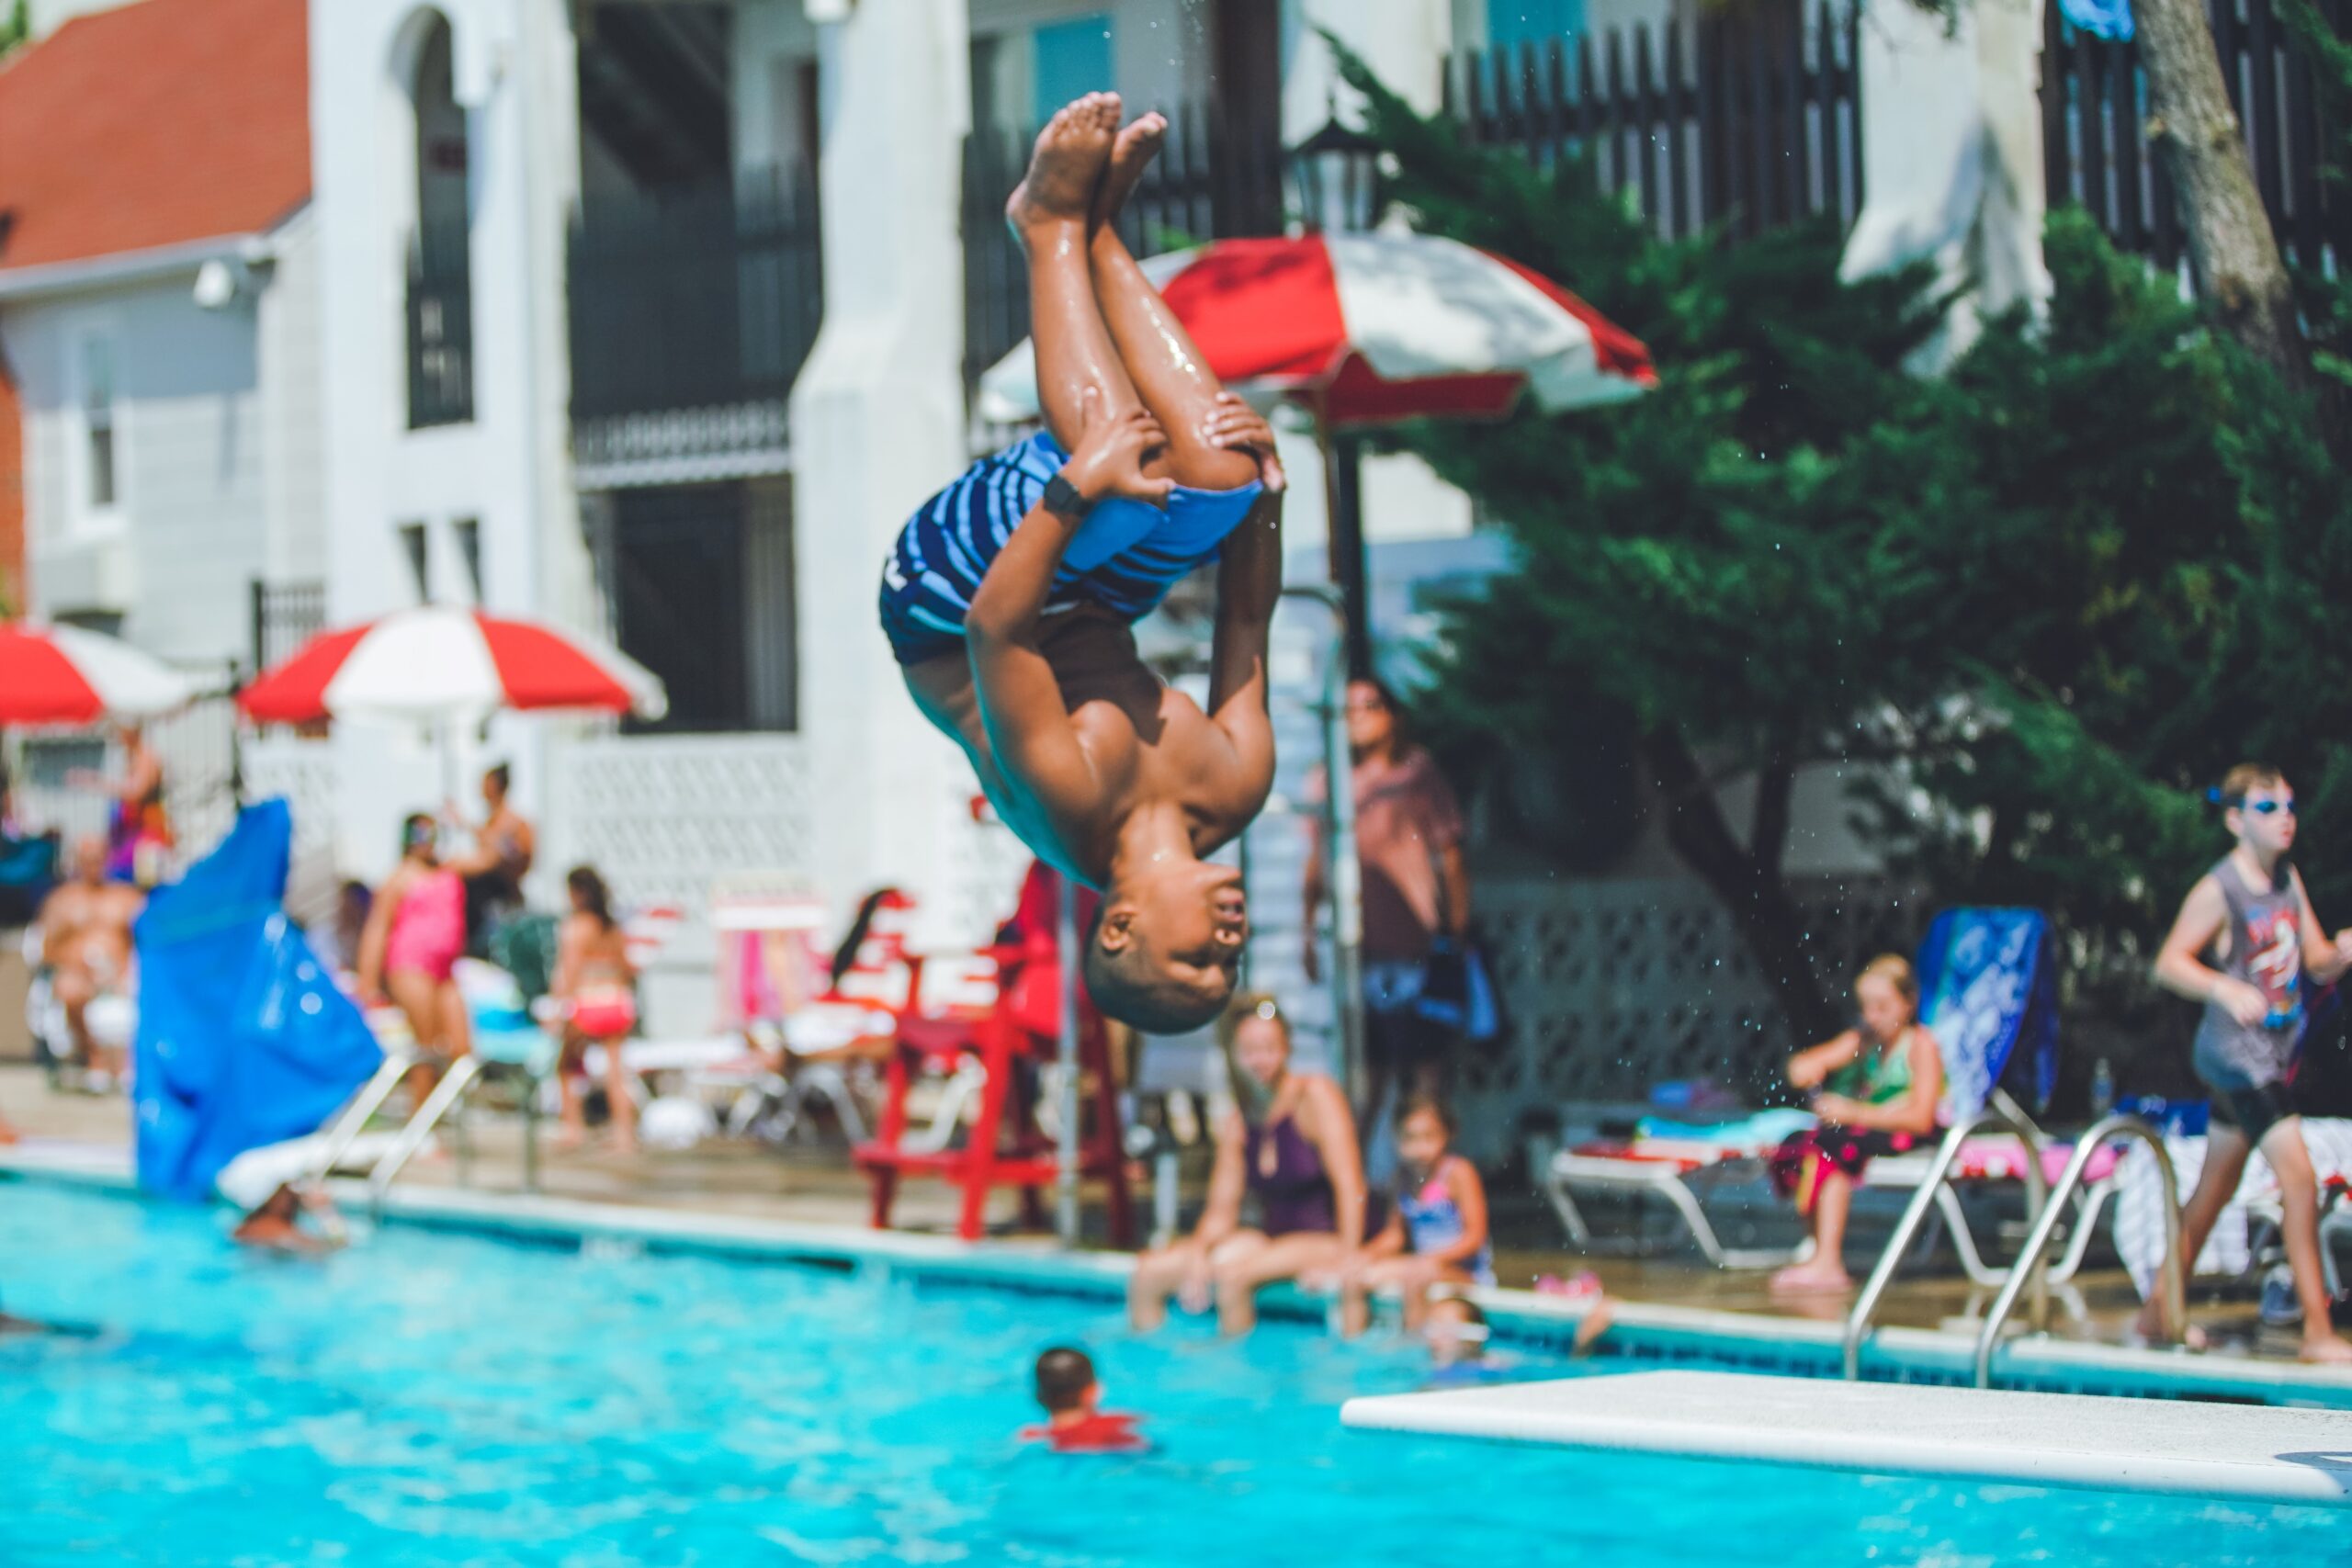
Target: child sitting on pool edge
[[1436, 1232], [1074, 1421]]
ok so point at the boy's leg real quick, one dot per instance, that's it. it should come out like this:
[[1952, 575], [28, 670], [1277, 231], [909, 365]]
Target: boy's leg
[[1168, 371], [1077, 363], [2216, 1182], [2290, 1162]]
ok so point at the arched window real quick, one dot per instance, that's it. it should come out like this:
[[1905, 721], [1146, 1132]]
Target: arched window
[[440, 263]]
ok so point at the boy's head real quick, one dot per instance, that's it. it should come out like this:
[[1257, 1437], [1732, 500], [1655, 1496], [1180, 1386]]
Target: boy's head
[[1424, 1128], [1066, 1381], [1456, 1329], [1167, 948], [2259, 808]]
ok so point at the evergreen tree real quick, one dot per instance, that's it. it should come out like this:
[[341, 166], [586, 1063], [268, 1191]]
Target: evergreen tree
[[2031, 607]]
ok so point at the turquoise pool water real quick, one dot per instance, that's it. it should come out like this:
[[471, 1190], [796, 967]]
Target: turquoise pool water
[[451, 1399]]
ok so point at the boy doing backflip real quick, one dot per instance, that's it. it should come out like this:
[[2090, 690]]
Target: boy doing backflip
[[1010, 595]]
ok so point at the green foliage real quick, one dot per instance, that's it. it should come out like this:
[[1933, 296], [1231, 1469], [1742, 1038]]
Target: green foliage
[[2036, 604], [15, 26]]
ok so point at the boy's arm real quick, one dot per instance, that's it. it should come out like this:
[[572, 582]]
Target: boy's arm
[[2180, 969], [2324, 960], [1021, 703], [1248, 586]]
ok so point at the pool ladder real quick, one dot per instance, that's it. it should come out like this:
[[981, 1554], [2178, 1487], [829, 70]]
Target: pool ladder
[[2172, 1283], [2048, 1203]]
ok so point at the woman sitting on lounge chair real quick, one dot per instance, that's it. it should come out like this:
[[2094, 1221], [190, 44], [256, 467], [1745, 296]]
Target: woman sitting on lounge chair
[[1876, 1089], [1290, 1140]]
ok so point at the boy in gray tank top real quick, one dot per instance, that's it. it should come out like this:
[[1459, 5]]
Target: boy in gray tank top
[[2244, 940]]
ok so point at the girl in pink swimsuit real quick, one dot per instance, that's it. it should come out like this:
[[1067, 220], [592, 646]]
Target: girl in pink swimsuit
[[415, 934]]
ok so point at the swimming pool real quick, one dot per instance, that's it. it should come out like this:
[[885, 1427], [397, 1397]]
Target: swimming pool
[[444, 1398]]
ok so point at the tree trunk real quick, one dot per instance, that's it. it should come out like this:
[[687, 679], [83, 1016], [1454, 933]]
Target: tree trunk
[[2230, 239], [1749, 883]]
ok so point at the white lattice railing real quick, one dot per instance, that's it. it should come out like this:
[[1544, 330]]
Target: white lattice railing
[[661, 817], [1614, 987]]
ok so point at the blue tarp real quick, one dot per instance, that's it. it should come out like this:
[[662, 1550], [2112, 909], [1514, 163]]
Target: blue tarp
[[244, 1038], [2100, 18]]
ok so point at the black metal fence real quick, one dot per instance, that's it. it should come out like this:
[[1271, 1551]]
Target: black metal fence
[[285, 615], [1751, 121], [1208, 183], [440, 327], [2096, 149], [693, 297]]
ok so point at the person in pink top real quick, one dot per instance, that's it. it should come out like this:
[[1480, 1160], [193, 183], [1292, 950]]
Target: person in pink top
[[1416, 891], [409, 952]]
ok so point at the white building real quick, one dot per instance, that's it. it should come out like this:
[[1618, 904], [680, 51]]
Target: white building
[[656, 318], [159, 325]]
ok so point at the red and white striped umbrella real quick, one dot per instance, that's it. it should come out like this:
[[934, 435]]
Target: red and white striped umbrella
[[64, 675], [442, 664], [1375, 328]]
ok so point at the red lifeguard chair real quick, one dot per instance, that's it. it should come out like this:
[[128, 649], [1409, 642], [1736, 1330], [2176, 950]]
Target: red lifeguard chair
[[1003, 1146]]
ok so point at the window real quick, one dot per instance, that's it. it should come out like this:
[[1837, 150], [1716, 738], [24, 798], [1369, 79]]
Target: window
[[468, 533], [1537, 21], [699, 581], [1073, 59], [420, 561], [101, 488]]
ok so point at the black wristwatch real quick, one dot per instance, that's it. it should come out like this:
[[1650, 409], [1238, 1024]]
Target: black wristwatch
[[1062, 499]]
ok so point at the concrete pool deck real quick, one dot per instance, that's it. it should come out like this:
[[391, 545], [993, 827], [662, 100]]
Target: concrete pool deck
[[726, 1196]]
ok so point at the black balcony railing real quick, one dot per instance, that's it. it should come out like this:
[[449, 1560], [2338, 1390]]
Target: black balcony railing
[[440, 327], [285, 615], [1746, 120], [694, 298], [1208, 184]]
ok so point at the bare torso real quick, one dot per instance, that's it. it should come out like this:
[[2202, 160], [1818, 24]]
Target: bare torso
[[1146, 743], [88, 929]]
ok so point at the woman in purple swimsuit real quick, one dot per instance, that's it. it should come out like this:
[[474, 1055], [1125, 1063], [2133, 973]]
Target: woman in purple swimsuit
[[1289, 1143]]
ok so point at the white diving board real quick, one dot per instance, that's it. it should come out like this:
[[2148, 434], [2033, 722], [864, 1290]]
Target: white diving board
[[2177, 1447]]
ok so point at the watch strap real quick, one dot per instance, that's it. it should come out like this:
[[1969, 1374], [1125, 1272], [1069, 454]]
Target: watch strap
[[1062, 498]]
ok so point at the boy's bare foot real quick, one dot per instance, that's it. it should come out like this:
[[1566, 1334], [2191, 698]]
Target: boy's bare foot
[[1131, 154], [2326, 1350], [2148, 1328], [1066, 165]]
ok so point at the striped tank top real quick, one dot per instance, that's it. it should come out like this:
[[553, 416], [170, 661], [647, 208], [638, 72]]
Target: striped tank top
[[1124, 558]]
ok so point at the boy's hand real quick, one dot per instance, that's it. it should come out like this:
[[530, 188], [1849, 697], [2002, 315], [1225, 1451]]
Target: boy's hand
[[1235, 427], [2241, 1001], [1112, 454]]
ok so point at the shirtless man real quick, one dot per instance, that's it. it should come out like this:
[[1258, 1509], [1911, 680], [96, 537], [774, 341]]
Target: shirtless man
[[86, 942], [1011, 596]]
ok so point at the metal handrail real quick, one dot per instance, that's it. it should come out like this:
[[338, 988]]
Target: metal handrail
[[1923, 1202], [1343, 883], [2170, 1279]]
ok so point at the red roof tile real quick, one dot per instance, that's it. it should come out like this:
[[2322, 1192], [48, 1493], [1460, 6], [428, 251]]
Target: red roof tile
[[161, 122]]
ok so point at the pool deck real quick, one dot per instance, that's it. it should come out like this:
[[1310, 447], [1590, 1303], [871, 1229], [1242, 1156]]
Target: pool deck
[[728, 1196]]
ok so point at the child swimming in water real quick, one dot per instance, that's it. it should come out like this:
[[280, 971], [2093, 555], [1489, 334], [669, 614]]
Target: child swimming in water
[[1074, 1421]]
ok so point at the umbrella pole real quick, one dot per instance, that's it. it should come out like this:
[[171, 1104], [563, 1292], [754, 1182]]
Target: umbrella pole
[[1343, 506]]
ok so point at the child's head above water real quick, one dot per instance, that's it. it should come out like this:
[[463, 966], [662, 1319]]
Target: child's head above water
[[1166, 952], [1888, 993], [1066, 1383], [1425, 1129], [1456, 1329]]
